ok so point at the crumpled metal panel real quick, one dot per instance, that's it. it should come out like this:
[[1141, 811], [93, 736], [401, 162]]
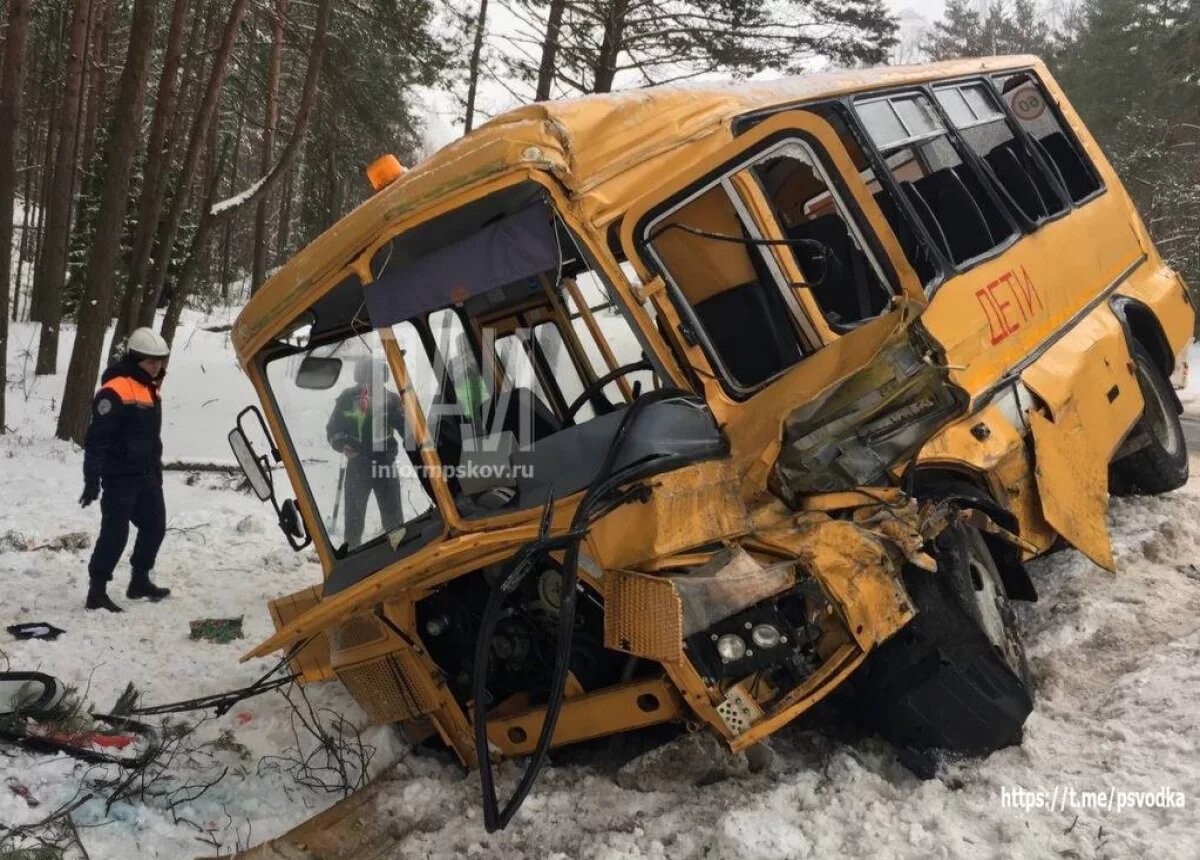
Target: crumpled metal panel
[[1091, 398], [872, 419]]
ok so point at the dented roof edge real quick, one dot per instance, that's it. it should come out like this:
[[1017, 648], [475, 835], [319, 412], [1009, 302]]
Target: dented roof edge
[[601, 148]]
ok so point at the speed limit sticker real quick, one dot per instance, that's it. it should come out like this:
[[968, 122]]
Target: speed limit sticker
[[1027, 103]]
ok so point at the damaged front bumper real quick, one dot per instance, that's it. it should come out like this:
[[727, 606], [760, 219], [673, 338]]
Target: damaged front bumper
[[756, 632]]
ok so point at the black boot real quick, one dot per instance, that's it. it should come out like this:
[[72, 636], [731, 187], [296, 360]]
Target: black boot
[[141, 586], [97, 598]]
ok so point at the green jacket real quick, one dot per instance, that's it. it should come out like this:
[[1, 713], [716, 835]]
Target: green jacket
[[352, 423]]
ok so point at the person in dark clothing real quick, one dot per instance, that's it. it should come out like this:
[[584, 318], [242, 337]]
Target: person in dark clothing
[[366, 421], [123, 456]]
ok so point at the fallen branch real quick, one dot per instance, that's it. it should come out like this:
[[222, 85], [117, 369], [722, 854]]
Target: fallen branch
[[201, 466]]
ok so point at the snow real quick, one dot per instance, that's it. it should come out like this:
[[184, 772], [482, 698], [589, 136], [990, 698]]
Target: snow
[[1116, 660], [223, 557], [237, 199], [1189, 395]]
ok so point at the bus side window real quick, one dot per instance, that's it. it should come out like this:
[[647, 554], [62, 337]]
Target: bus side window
[[916, 249], [840, 271], [960, 211], [1028, 102], [1011, 164]]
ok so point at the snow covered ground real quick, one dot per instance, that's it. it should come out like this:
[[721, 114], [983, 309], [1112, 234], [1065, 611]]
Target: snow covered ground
[[223, 557], [1116, 661]]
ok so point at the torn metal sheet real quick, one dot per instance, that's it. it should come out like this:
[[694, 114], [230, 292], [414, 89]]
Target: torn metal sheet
[[857, 429]]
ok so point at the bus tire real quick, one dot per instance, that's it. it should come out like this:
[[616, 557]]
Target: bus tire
[[955, 678], [1161, 464]]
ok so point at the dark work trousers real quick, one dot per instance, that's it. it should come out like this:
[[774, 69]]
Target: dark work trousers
[[360, 484], [136, 499]]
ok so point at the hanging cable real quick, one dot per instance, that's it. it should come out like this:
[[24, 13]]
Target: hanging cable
[[824, 254], [595, 503], [222, 702]]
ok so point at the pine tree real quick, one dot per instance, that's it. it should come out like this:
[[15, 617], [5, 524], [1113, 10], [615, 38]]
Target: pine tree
[[95, 310], [599, 45], [12, 79], [958, 34]]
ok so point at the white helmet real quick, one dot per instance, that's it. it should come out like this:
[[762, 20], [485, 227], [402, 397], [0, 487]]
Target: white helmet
[[148, 343]]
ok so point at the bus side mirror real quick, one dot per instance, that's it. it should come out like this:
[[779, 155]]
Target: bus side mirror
[[251, 463], [316, 373]]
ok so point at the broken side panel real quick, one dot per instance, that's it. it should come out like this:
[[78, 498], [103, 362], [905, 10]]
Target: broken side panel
[[868, 421]]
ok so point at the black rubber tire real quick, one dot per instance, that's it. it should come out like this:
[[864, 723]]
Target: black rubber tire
[[1162, 464], [941, 682]]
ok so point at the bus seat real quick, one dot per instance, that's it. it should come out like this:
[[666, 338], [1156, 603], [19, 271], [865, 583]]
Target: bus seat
[[520, 401], [1079, 181], [849, 288], [927, 217], [965, 228], [751, 339], [1016, 181]]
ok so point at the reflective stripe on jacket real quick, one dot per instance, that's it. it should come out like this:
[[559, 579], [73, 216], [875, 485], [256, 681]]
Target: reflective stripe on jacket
[[124, 436]]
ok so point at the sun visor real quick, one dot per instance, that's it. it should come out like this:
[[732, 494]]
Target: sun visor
[[514, 248]]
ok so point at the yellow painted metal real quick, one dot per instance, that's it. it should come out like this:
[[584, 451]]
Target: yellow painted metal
[[851, 499], [753, 426], [858, 569], [604, 151], [311, 663], [593, 328], [414, 417], [816, 687], [592, 715], [1025, 310], [688, 507], [1163, 291], [1088, 384]]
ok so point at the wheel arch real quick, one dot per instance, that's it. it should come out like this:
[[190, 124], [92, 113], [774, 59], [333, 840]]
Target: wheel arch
[[1142, 325], [969, 489]]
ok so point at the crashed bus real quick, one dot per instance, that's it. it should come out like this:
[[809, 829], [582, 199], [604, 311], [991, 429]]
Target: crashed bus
[[694, 405]]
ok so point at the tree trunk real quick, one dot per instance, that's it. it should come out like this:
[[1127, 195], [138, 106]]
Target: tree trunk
[[473, 68], [547, 66], [154, 186], [95, 310], [270, 118], [308, 98], [46, 173], [191, 265], [33, 145], [52, 269], [195, 76], [89, 171], [610, 47], [97, 80], [234, 178], [285, 212], [199, 135], [12, 79]]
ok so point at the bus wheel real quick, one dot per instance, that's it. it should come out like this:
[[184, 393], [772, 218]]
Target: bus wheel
[[956, 677], [1161, 464]]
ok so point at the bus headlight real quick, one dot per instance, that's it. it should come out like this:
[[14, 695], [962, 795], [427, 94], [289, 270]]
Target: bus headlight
[[731, 647], [766, 636]]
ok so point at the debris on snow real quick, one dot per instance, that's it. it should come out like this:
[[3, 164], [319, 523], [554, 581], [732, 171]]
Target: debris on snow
[[219, 630]]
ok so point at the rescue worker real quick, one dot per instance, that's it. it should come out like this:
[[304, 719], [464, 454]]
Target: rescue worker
[[366, 420], [123, 457]]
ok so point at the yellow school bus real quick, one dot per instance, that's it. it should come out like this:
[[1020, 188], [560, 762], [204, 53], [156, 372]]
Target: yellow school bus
[[692, 405]]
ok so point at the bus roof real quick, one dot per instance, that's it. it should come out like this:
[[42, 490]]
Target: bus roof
[[604, 149]]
